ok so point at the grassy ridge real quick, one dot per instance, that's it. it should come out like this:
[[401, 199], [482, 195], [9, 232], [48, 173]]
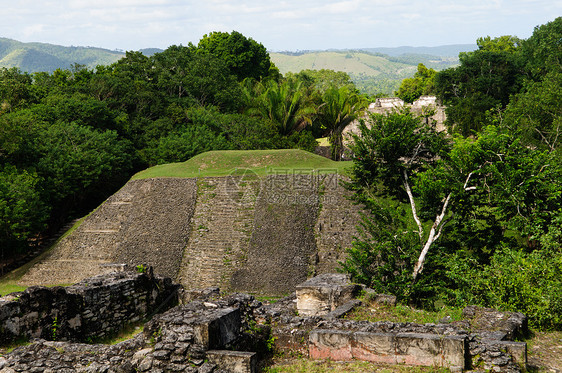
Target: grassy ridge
[[261, 162], [371, 73], [34, 57], [349, 62]]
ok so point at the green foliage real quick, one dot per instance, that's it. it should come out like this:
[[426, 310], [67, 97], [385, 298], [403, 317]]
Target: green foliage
[[23, 213], [15, 91], [421, 84], [500, 201], [205, 79], [537, 113], [543, 50], [520, 281], [383, 253], [141, 268], [505, 43], [245, 57], [390, 149], [485, 79], [54, 330], [285, 104], [340, 107]]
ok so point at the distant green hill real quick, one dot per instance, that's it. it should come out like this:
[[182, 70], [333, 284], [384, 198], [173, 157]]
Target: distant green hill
[[451, 50], [372, 71], [33, 57]]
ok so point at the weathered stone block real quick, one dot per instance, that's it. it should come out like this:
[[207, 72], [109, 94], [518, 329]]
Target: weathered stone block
[[390, 348], [455, 351], [343, 309], [218, 328], [375, 347], [517, 350], [323, 294], [233, 361], [494, 324], [330, 344]]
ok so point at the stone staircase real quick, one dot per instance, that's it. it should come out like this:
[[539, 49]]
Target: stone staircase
[[88, 250], [336, 224], [220, 231], [143, 223]]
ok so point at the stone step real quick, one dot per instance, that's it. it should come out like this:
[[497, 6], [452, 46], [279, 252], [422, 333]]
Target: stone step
[[220, 233], [64, 271]]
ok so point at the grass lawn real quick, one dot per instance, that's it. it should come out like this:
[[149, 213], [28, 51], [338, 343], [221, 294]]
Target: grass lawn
[[403, 313], [312, 366], [261, 162]]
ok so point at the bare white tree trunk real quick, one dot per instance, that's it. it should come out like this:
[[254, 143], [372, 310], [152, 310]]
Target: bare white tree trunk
[[412, 203], [434, 234], [436, 228]]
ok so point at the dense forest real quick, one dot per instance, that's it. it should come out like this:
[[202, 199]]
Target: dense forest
[[472, 216], [70, 138]]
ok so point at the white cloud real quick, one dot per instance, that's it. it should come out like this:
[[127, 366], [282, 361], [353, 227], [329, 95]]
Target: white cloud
[[281, 25]]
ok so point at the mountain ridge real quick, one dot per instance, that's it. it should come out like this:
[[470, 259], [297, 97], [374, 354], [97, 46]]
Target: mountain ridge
[[373, 70]]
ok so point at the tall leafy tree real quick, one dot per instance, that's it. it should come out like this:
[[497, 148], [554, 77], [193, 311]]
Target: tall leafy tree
[[245, 57], [485, 79], [285, 104], [339, 108], [23, 212], [543, 50], [421, 84], [189, 78], [15, 89]]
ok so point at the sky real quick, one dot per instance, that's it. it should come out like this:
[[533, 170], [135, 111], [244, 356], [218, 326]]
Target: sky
[[282, 25]]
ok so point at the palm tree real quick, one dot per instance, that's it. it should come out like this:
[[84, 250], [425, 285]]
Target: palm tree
[[340, 107], [285, 104]]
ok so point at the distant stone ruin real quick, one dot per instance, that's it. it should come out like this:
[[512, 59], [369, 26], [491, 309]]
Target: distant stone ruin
[[425, 105]]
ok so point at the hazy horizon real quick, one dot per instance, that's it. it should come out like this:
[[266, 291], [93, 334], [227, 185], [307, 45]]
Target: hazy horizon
[[286, 25]]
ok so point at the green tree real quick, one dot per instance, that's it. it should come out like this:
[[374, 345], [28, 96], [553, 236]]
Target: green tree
[[285, 104], [23, 213], [15, 89], [484, 80], [542, 52], [391, 150], [339, 108], [421, 84], [505, 43], [537, 113], [245, 57], [190, 78], [79, 165]]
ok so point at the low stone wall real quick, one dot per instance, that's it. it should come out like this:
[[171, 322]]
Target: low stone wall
[[482, 340], [228, 334], [389, 348], [205, 336], [94, 308]]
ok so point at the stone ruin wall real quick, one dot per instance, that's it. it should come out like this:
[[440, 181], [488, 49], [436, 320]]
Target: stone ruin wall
[[418, 107], [215, 334], [258, 235], [92, 309]]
